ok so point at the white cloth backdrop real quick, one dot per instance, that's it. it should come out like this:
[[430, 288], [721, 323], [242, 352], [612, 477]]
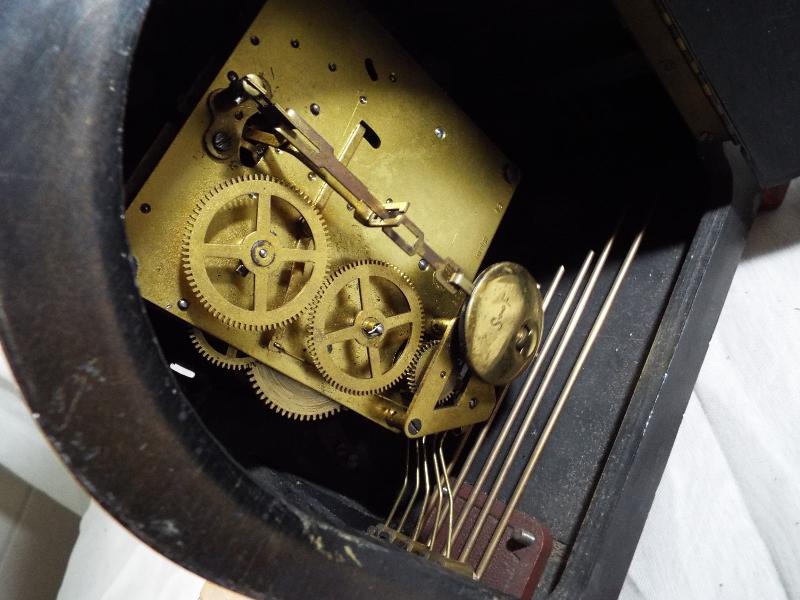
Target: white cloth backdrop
[[726, 518], [108, 563]]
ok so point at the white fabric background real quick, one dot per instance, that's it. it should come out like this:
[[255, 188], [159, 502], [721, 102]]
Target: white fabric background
[[108, 563], [726, 519], [25, 452], [725, 522], [36, 538]]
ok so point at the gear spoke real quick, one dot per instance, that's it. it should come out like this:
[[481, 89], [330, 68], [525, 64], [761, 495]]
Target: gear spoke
[[270, 300], [263, 214], [300, 255], [396, 321], [367, 301], [342, 335], [260, 291], [221, 250], [381, 288], [374, 353]]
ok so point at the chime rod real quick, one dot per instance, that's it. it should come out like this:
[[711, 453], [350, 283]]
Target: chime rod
[[519, 401], [476, 446], [554, 415], [537, 399]]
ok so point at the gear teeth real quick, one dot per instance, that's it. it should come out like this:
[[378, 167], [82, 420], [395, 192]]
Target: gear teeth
[[299, 403], [217, 358], [411, 297], [413, 376], [224, 313]]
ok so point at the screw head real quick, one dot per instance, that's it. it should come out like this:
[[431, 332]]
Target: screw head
[[423, 264], [523, 537], [222, 142], [473, 402], [232, 76], [145, 207], [393, 77], [262, 253], [312, 176], [523, 337], [362, 99], [415, 426], [331, 66], [295, 43], [254, 39], [183, 304], [440, 133], [314, 108], [372, 328]]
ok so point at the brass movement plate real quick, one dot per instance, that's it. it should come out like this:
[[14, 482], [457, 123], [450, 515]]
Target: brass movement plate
[[430, 155]]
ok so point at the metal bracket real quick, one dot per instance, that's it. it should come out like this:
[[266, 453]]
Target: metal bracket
[[291, 133], [475, 404]]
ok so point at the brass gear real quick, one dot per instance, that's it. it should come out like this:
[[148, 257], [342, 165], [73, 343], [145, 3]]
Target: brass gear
[[289, 397], [419, 365], [223, 355], [247, 250], [366, 326]]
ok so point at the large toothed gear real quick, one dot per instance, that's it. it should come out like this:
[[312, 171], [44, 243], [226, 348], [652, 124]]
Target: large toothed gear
[[289, 397], [255, 252], [366, 326], [218, 352]]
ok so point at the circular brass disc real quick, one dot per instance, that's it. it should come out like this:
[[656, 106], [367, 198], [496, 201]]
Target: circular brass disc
[[502, 323], [218, 352], [240, 241], [289, 397], [366, 326]]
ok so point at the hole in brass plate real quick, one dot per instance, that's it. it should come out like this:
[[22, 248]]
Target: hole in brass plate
[[369, 65], [372, 137]]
